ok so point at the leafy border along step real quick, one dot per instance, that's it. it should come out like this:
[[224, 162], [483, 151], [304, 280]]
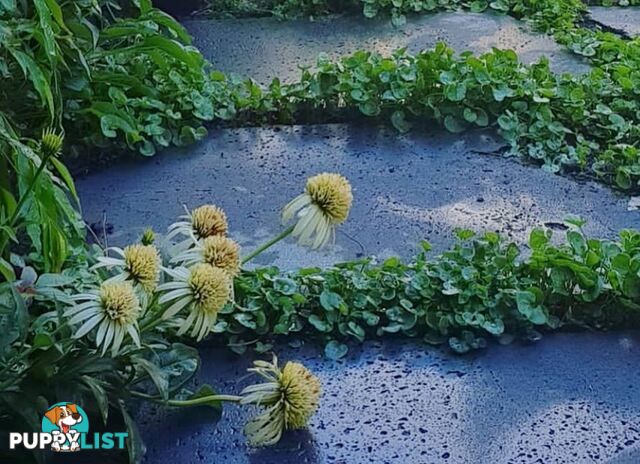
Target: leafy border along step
[[482, 288]]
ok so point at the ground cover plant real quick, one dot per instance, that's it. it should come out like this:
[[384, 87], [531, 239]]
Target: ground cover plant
[[84, 80]]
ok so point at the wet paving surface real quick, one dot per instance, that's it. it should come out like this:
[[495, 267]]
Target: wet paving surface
[[265, 48], [406, 189], [626, 19], [571, 398]]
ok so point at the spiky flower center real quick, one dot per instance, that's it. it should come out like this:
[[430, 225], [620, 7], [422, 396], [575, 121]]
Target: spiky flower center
[[210, 287], [300, 391], [51, 143], [332, 194], [143, 263], [209, 221], [222, 252], [119, 302]]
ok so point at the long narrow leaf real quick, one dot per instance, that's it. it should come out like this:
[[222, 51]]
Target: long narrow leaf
[[35, 74]]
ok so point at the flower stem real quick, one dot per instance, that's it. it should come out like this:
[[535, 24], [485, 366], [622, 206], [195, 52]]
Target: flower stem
[[26, 352], [186, 403], [23, 198], [151, 323], [267, 245], [27, 193], [17, 378]]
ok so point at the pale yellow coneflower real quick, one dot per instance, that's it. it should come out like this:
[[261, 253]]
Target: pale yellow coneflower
[[290, 397], [113, 308], [204, 221], [217, 251], [138, 263], [202, 291], [324, 204]]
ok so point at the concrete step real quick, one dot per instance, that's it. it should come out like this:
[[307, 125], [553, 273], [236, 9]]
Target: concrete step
[[571, 399], [265, 48], [406, 187], [623, 19]]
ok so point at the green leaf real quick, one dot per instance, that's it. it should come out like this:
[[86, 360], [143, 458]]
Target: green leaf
[[631, 286], [14, 317], [99, 394], [575, 221], [110, 122], [464, 234], [56, 12], [458, 345], [538, 239], [370, 318], [335, 350], [453, 124], [6, 269], [623, 179], [494, 327], [246, 320], [285, 285], [319, 324], [470, 115], [370, 10], [399, 122], [156, 43], [66, 177], [456, 92], [482, 119], [8, 5], [577, 242], [53, 280], [398, 20], [46, 36], [179, 364], [330, 300], [528, 303], [43, 341], [156, 375], [369, 108], [37, 77], [135, 445]]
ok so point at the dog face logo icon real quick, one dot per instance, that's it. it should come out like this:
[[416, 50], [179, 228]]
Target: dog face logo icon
[[66, 422]]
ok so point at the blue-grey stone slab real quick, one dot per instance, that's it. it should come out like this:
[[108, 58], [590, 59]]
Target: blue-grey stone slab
[[626, 19], [265, 48], [406, 188], [570, 399]]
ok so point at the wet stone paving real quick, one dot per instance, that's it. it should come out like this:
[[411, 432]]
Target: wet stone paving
[[571, 398], [625, 20], [407, 188]]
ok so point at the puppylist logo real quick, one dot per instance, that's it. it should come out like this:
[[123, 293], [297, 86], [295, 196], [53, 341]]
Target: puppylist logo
[[65, 428]]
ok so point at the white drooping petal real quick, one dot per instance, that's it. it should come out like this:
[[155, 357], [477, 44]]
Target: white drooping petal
[[109, 336], [88, 325], [77, 308], [133, 333], [117, 340], [294, 206], [84, 314], [176, 307], [172, 295]]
